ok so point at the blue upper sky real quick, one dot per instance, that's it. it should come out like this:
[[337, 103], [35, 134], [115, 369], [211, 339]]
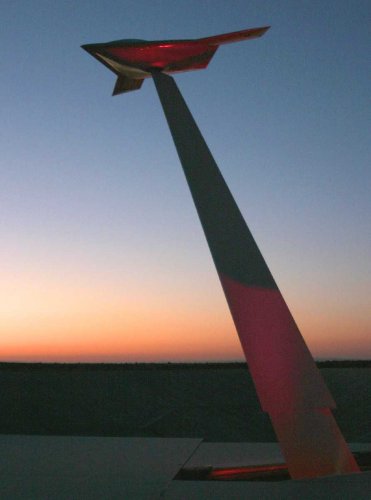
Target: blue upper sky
[[91, 185]]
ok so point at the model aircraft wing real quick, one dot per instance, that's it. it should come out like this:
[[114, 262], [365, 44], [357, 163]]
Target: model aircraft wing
[[236, 36], [125, 84]]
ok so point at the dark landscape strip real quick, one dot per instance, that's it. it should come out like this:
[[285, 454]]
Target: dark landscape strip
[[362, 363]]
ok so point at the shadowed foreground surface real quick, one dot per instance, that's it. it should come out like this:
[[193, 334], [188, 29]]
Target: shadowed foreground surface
[[214, 401], [96, 468]]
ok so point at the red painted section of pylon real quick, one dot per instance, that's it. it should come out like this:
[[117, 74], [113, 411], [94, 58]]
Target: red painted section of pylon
[[288, 383], [308, 454], [285, 375]]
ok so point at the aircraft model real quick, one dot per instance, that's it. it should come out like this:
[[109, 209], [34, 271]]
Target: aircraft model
[[288, 383], [134, 60]]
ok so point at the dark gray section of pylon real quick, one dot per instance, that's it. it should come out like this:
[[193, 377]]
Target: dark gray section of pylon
[[231, 243]]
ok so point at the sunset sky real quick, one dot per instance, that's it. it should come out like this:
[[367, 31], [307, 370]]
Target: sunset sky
[[103, 256]]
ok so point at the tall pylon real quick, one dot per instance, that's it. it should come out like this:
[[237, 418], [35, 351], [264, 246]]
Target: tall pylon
[[288, 383]]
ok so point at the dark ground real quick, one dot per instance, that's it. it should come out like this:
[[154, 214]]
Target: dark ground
[[216, 402]]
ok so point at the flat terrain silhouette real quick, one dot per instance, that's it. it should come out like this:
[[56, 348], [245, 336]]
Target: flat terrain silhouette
[[214, 401]]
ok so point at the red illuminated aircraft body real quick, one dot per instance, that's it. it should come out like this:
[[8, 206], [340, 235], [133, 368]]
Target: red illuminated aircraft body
[[134, 60]]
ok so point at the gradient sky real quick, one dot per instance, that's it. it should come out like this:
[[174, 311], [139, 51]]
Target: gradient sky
[[103, 257]]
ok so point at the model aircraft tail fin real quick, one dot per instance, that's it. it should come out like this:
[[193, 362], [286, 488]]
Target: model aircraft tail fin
[[125, 84], [236, 36]]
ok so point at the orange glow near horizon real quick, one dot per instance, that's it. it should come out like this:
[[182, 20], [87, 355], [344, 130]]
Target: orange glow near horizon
[[56, 320], [60, 322]]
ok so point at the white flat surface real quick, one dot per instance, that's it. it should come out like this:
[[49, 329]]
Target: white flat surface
[[351, 487], [105, 468], [235, 454], [89, 468]]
